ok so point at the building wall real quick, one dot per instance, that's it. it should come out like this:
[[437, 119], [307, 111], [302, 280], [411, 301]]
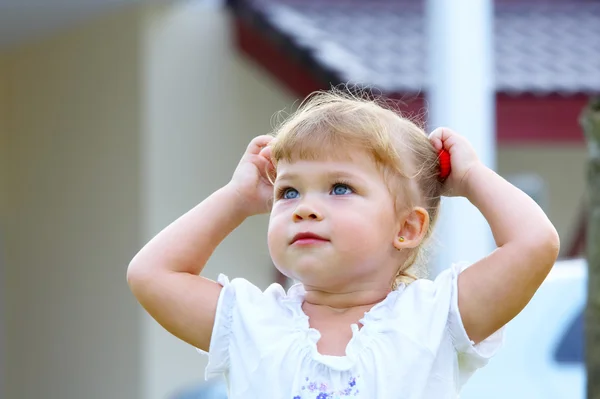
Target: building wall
[[563, 169], [73, 217], [4, 126]]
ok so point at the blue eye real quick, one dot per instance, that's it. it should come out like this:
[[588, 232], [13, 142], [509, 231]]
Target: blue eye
[[341, 189], [290, 193]]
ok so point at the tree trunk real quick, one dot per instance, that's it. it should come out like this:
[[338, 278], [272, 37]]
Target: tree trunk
[[590, 121]]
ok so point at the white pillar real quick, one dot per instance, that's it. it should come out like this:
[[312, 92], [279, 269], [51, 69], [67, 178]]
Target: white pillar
[[461, 96]]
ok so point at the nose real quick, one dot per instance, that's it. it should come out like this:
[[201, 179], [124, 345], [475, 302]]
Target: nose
[[306, 211]]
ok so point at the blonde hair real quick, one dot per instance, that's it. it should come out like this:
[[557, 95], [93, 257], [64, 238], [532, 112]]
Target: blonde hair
[[338, 121]]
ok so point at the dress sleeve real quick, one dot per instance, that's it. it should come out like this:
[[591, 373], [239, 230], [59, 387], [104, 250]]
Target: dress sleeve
[[471, 356], [239, 333], [218, 353]]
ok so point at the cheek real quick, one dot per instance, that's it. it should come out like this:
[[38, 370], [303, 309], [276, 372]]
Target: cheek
[[276, 234], [357, 232], [371, 229]]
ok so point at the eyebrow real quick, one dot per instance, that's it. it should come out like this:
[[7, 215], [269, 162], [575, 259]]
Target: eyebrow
[[338, 174]]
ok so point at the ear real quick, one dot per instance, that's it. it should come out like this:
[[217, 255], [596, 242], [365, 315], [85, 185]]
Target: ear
[[413, 228]]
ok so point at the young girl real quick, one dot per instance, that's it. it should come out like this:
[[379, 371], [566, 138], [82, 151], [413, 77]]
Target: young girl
[[353, 191]]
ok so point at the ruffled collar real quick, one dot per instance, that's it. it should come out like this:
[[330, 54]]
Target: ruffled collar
[[373, 322]]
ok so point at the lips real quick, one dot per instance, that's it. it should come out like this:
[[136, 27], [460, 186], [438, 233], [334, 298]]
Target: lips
[[307, 237]]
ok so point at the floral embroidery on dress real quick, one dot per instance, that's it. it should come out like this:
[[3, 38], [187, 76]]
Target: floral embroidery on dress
[[313, 390]]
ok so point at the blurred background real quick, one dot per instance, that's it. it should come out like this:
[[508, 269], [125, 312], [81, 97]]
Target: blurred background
[[118, 116]]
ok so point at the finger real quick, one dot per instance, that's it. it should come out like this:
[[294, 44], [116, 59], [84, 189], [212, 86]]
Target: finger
[[266, 165], [271, 172], [266, 152], [436, 139], [258, 143], [445, 138]]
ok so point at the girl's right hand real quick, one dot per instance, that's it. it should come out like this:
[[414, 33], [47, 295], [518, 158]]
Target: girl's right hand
[[252, 177]]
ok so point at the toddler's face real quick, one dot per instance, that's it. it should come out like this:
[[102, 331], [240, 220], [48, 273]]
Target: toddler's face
[[333, 222]]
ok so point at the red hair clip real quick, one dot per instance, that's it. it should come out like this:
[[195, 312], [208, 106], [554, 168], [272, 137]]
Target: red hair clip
[[445, 168]]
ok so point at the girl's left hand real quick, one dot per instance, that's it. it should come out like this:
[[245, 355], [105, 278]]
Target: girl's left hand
[[463, 160]]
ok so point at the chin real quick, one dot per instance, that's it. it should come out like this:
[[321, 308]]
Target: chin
[[306, 271], [328, 279]]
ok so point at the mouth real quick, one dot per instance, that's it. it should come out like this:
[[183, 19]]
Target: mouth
[[308, 238]]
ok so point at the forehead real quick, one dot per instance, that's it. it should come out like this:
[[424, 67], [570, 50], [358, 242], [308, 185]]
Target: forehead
[[358, 164]]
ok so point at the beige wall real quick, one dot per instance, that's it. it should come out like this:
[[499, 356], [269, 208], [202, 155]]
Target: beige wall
[[4, 126], [3, 209], [203, 104], [72, 326], [563, 168]]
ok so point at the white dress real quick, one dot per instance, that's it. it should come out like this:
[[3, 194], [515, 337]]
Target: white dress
[[412, 345]]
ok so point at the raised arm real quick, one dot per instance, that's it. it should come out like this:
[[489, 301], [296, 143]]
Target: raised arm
[[495, 289], [164, 275]]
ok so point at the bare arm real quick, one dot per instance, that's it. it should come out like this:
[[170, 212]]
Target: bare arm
[[164, 275], [495, 289], [498, 287]]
